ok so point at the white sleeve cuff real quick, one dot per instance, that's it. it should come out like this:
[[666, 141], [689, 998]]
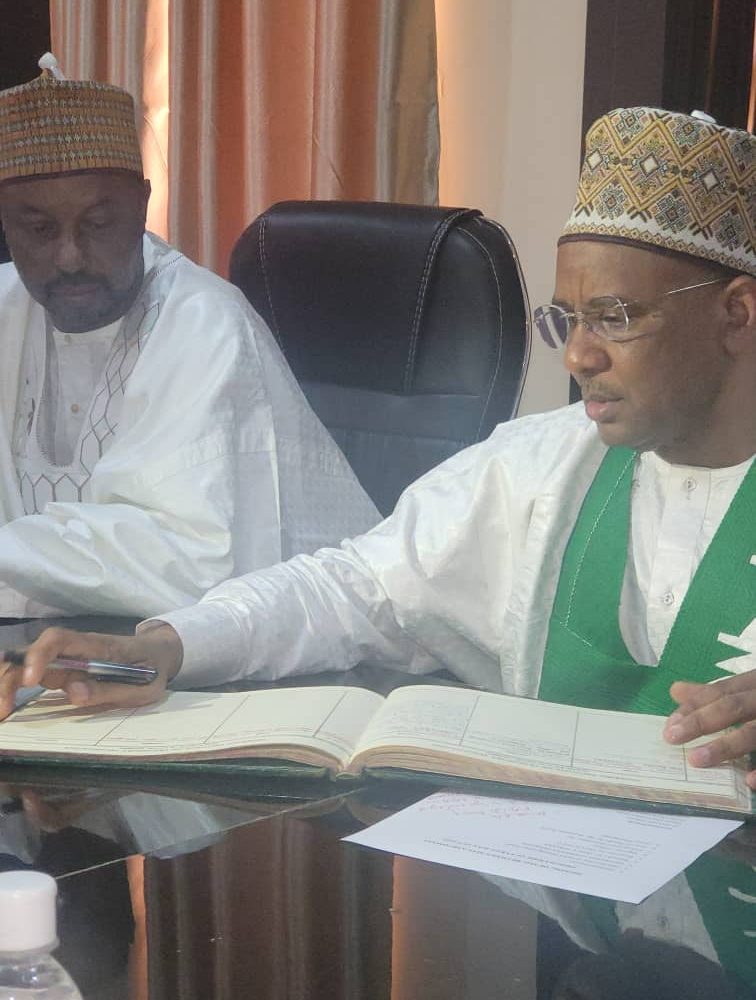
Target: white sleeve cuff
[[215, 647]]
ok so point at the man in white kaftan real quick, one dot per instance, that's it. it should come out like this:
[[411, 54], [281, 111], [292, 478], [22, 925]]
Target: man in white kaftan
[[153, 441], [464, 572], [195, 457]]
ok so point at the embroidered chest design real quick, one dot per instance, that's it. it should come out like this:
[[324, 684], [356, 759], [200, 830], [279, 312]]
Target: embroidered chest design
[[40, 480], [746, 641]]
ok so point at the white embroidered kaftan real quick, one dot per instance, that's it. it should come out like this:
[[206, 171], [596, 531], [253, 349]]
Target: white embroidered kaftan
[[198, 458], [463, 574]]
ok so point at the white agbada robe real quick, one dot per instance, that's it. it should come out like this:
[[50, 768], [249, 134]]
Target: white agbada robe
[[197, 456], [463, 575]]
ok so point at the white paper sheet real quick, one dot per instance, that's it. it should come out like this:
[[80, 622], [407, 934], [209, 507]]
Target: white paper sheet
[[613, 853]]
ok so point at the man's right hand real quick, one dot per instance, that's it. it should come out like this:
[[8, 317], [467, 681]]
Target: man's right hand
[[158, 647]]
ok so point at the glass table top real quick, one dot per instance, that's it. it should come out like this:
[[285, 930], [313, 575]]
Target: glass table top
[[167, 897], [232, 886]]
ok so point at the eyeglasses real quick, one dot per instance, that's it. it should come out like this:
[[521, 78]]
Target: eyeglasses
[[608, 317]]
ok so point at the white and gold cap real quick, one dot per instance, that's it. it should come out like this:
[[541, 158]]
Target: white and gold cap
[[669, 181]]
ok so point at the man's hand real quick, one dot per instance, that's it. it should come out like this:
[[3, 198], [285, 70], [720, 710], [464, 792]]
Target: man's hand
[[158, 647], [710, 708]]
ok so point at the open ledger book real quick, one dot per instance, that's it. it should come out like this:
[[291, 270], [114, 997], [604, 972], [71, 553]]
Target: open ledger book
[[346, 731]]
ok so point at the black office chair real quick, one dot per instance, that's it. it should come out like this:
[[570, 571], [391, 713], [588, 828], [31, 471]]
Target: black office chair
[[4, 251], [407, 326]]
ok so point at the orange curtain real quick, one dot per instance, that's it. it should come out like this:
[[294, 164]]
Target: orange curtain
[[248, 102]]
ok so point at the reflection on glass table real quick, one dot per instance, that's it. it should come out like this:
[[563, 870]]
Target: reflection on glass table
[[195, 886], [268, 895]]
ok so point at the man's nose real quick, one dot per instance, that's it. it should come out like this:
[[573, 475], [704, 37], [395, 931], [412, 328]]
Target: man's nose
[[69, 256], [585, 353]]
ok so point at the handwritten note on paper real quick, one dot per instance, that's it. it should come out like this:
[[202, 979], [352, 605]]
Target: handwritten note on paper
[[613, 853]]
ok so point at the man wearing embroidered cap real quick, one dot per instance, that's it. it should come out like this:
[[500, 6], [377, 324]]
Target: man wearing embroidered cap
[[603, 554], [152, 439]]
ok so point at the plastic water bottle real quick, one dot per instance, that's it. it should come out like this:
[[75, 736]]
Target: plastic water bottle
[[28, 935]]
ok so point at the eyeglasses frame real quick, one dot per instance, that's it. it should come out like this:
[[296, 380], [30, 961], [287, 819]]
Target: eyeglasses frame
[[577, 316]]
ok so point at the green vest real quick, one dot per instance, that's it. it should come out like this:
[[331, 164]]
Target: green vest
[[587, 662]]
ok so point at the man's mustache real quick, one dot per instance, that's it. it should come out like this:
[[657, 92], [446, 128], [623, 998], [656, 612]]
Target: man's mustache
[[594, 388], [74, 281]]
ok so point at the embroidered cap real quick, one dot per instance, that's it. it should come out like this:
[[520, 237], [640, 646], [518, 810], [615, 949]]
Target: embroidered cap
[[53, 125], [672, 181]]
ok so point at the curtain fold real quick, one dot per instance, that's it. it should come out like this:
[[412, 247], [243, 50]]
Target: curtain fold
[[248, 102]]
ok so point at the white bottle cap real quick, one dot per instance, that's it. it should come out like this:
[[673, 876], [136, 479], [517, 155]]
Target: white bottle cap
[[27, 911]]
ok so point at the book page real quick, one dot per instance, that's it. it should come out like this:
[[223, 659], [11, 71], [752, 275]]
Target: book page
[[329, 719], [617, 749]]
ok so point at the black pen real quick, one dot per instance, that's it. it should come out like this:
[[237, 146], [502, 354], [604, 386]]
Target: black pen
[[98, 670]]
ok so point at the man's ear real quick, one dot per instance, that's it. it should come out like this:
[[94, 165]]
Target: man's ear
[[740, 307]]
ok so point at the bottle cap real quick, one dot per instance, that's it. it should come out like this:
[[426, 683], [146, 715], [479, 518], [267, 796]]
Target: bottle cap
[[27, 911]]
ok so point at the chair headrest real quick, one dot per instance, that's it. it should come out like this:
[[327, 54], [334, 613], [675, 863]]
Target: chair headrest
[[375, 260]]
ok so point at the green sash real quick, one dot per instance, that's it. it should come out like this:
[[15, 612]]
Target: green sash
[[587, 662]]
